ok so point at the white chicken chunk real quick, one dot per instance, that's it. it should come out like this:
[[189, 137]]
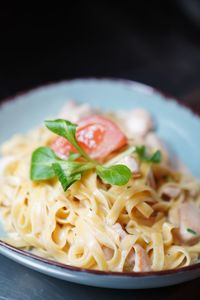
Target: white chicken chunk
[[189, 219], [138, 122]]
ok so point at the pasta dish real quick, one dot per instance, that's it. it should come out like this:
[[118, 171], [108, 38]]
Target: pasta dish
[[99, 191]]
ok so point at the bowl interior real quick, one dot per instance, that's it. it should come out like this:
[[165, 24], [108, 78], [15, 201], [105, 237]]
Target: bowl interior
[[175, 124]]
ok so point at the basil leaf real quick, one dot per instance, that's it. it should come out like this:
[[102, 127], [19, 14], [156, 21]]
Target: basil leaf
[[191, 231], [65, 180], [144, 155], [67, 130], [116, 175], [41, 164]]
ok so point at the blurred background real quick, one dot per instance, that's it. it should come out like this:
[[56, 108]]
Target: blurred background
[[154, 42]]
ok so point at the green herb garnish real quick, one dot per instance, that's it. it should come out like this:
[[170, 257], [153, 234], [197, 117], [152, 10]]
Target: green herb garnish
[[45, 164], [191, 231], [145, 156], [116, 175]]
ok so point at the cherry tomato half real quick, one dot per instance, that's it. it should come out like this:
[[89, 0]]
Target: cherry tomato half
[[97, 135]]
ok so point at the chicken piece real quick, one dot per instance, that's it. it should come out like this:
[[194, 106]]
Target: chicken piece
[[131, 163], [189, 223], [142, 263], [74, 112], [139, 122]]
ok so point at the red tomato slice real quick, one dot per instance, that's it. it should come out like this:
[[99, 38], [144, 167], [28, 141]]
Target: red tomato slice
[[97, 135]]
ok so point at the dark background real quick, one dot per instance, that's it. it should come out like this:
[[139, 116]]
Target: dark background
[[154, 42]]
